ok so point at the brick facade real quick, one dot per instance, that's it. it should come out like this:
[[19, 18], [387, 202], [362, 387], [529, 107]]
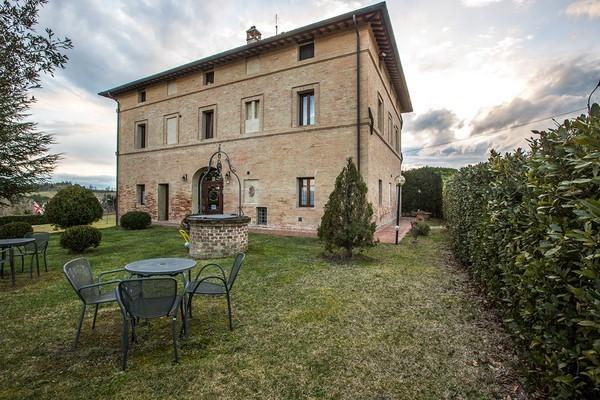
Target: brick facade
[[272, 159]]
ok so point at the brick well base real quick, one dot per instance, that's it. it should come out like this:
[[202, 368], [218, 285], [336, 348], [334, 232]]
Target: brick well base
[[218, 238]]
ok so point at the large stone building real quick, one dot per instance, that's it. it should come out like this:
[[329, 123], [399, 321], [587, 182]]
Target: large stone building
[[288, 109]]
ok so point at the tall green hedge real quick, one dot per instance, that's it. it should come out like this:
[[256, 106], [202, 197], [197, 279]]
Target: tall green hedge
[[429, 181], [527, 224], [32, 219]]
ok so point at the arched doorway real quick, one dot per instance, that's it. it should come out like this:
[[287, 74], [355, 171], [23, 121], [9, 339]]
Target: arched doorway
[[210, 191]]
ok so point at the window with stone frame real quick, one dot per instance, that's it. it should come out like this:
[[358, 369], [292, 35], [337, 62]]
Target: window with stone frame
[[209, 77], [171, 88], [380, 187], [140, 194], [207, 122], [171, 129], [306, 110], [306, 192], [261, 216], [390, 130], [306, 51], [141, 135], [380, 116], [252, 114]]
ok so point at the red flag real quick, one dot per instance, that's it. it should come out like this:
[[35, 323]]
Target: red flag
[[36, 208]]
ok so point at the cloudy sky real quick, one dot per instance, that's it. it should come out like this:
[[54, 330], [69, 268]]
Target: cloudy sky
[[478, 71]]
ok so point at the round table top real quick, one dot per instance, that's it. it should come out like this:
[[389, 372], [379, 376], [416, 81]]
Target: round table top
[[160, 266], [15, 242]]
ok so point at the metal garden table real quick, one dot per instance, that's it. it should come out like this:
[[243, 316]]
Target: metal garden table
[[163, 266], [10, 244]]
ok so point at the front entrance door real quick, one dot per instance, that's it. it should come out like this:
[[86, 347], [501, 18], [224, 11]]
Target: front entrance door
[[212, 194]]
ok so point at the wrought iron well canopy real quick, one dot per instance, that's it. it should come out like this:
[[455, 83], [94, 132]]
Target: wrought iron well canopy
[[217, 169]]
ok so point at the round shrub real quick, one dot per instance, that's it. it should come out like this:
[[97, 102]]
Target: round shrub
[[422, 229], [136, 220], [15, 230], [419, 229], [73, 205], [81, 237]]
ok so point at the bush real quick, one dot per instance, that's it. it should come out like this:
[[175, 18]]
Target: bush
[[79, 238], [420, 229], [32, 219], [347, 221], [528, 227], [15, 230], [73, 205], [136, 220]]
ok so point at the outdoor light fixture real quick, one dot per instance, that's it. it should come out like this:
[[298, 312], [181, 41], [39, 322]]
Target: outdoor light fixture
[[400, 180], [228, 177], [184, 178]]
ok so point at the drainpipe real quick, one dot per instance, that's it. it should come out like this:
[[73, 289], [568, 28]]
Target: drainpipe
[[357, 92], [117, 157]]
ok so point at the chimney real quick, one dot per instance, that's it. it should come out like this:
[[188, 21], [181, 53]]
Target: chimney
[[252, 35]]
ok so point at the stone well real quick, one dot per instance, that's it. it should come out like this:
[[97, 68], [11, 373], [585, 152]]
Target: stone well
[[218, 235]]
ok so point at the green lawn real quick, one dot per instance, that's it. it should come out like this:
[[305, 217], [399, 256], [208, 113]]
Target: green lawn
[[401, 323]]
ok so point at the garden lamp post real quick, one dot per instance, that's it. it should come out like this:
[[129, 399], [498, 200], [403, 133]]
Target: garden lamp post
[[399, 182]]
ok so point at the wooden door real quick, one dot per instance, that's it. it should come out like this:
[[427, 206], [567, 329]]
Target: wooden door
[[212, 195], [163, 202]]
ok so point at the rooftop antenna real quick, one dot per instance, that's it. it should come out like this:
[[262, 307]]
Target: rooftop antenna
[[276, 24]]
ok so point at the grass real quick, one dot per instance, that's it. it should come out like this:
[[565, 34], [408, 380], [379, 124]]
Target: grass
[[399, 323], [107, 221]]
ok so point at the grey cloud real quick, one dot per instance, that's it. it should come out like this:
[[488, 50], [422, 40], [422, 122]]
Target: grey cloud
[[437, 120], [560, 88], [119, 41], [113, 45], [438, 125]]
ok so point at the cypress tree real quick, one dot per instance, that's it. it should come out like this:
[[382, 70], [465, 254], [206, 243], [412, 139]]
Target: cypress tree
[[347, 223], [25, 54]]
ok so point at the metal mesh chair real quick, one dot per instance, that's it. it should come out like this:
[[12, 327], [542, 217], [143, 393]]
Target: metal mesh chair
[[148, 298], [34, 250], [3, 260], [215, 285], [79, 274]]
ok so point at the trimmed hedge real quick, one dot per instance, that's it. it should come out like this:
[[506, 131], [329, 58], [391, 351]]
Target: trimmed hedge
[[429, 181], [32, 219], [136, 220], [80, 238], [15, 230], [528, 227]]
